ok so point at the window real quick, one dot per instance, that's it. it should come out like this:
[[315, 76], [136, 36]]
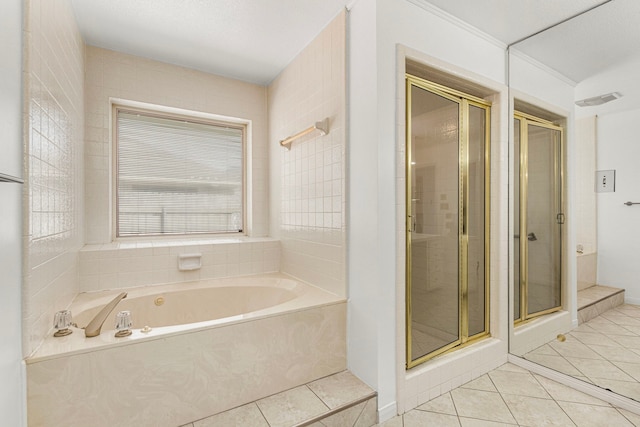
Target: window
[[177, 175]]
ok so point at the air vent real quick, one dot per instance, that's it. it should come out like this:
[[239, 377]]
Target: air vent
[[598, 100]]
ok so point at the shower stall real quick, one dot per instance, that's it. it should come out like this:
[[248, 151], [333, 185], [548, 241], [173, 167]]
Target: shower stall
[[447, 223], [538, 217]]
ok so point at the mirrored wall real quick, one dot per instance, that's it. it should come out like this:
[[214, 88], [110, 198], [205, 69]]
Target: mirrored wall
[[588, 292]]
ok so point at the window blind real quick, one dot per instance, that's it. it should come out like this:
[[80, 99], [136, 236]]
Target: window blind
[[177, 177]]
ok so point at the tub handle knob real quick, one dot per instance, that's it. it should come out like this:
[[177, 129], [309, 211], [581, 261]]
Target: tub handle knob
[[123, 323], [62, 321]]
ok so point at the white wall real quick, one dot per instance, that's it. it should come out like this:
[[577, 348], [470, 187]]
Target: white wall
[[618, 231], [307, 191], [617, 149], [376, 275], [12, 384], [542, 85], [54, 122]]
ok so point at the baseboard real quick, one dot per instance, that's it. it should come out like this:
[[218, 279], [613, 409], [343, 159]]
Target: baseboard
[[387, 412], [629, 300]]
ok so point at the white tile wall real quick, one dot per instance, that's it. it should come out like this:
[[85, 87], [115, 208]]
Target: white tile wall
[[111, 74], [308, 188], [53, 191], [123, 265]]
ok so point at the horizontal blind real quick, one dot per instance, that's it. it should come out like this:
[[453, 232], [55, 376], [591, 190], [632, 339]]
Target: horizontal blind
[[177, 177]]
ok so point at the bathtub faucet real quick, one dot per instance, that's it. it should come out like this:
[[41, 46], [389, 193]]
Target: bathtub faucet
[[93, 328]]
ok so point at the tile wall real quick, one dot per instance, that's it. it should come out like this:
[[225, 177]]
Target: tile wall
[[586, 227], [307, 183], [53, 191], [124, 265], [106, 264], [112, 75]]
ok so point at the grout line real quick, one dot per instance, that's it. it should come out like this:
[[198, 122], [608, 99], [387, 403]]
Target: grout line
[[553, 398], [335, 410], [360, 413], [316, 395], [624, 416], [502, 398], [262, 413]]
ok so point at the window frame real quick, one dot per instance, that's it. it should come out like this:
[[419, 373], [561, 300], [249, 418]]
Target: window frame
[[188, 116]]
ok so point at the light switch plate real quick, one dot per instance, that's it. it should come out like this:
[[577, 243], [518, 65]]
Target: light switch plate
[[605, 181]]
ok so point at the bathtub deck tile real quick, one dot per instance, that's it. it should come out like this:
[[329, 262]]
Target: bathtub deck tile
[[245, 416], [339, 389], [291, 407]]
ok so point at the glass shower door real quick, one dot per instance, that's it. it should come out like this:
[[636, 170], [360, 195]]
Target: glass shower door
[[447, 219], [540, 218], [434, 236]]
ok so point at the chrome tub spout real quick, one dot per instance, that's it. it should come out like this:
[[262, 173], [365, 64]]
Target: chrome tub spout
[[93, 328]]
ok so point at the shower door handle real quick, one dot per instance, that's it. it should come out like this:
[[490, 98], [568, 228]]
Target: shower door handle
[[532, 237]]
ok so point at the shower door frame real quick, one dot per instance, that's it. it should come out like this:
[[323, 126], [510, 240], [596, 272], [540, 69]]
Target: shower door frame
[[464, 101], [525, 121]]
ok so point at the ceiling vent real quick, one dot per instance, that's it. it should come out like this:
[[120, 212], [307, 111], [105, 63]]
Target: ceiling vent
[[599, 100]]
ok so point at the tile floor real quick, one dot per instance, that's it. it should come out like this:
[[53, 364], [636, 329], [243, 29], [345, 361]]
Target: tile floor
[[512, 396], [305, 405], [604, 351]]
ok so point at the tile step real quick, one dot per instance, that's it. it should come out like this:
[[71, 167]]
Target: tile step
[[595, 300], [337, 400]]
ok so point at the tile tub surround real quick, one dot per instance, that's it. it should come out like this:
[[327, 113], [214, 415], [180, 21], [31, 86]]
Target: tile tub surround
[[53, 191], [307, 189], [587, 270], [125, 264], [177, 378]]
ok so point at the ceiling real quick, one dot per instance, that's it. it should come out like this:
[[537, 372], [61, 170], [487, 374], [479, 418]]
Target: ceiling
[[591, 43], [251, 40], [511, 20], [254, 40]]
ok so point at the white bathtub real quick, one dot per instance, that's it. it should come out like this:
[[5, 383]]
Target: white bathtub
[[213, 345]]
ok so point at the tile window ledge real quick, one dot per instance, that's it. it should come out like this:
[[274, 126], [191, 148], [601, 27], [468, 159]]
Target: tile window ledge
[[175, 243], [124, 264]]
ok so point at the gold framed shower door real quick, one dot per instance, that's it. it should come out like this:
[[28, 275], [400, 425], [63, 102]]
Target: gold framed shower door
[[523, 125], [469, 108]]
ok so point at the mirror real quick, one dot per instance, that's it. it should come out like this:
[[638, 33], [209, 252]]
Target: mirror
[[593, 59]]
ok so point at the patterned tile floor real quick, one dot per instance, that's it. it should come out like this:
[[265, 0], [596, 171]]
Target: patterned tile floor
[[354, 402], [512, 396], [604, 351]]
